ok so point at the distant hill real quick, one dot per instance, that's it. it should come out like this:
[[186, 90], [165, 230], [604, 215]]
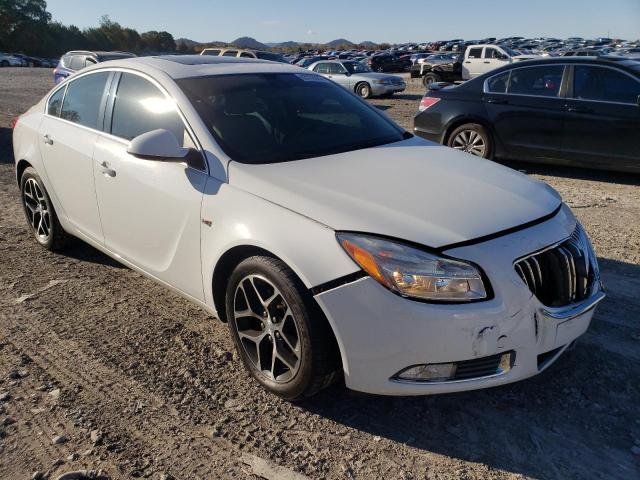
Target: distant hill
[[339, 42], [248, 42], [189, 43], [368, 44], [289, 44]]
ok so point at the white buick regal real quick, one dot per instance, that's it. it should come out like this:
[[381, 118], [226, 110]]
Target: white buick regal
[[329, 239]]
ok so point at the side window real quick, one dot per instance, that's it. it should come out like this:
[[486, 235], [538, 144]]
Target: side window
[[66, 61], [230, 53], [246, 55], [82, 101], [321, 68], [475, 53], [211, 52], [491, 53], [55, 102], [140, 107], [604, 84], [336, 68], [498, 84], [539, 81], [77, 62]]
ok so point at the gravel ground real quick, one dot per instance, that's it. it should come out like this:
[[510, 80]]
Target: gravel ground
[[101, 369]]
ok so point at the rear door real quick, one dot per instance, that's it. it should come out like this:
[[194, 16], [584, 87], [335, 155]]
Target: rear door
[[471, 66], [150, 209], [602, 122], [526, 107], [68, 134]]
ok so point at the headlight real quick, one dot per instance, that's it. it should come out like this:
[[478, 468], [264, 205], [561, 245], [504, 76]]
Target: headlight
[[412, 272]]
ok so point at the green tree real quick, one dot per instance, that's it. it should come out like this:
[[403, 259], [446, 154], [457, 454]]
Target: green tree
[[23, 25]]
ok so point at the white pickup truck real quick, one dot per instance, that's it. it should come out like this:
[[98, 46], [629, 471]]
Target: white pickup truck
[[479, 59]]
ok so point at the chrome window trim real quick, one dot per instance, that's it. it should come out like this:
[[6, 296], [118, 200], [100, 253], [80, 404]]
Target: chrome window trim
[[485, 83], [163, 90]]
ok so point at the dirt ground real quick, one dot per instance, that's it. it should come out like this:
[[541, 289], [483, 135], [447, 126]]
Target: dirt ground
[[101, 369]]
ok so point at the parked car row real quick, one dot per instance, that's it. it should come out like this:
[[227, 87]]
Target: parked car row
[[20, 60]]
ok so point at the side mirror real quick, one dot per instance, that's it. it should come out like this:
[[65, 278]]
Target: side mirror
[[157, 145], [347, 74]]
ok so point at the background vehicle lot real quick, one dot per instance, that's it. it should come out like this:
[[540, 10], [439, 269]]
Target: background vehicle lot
[[156, 378]]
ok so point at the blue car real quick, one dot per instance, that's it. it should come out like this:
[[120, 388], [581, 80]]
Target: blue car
[[76, 60]]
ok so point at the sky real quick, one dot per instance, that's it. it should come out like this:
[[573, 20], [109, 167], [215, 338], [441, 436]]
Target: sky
[[356, 20]]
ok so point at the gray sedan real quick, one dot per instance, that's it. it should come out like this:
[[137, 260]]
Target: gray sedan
[[358, 78]]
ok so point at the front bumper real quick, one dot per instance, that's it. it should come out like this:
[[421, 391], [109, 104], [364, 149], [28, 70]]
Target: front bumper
[[380, 333], [386, 89]]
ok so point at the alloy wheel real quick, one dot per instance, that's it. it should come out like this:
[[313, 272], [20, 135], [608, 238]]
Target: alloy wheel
[[267, 328], [470, 141], [37, 209]]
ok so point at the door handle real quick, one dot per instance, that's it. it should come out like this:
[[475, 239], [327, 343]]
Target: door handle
[[106, 171], [579, 110], [47, 139], [498, 101]]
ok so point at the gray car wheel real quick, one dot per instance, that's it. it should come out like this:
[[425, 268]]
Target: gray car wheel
[[471, 138], [363, 90]]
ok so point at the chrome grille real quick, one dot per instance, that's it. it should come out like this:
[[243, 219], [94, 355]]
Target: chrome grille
[[561, 274]]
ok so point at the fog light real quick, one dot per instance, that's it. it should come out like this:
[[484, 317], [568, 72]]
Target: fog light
[[436, 372]]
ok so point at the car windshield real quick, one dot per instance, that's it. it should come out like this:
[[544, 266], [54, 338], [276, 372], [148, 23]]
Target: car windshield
[[356, 67], [274, 57], [278, 117]]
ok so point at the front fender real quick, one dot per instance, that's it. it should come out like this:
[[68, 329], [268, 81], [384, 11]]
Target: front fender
[[239, 218]]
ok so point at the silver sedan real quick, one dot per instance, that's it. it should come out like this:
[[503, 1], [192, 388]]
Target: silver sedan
[[359, 78]]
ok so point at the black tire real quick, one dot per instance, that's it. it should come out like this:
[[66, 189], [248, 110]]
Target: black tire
[[56, 239], [319, 360], [472, 128], [430, 78], [363, 90]]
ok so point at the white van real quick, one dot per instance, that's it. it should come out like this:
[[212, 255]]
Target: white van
[[479, 59]]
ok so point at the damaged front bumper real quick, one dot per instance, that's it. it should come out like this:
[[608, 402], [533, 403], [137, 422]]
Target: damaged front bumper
[[381, 334]]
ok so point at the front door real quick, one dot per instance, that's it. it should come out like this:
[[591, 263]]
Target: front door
[[603, 118], [68, 134], [150, 209]]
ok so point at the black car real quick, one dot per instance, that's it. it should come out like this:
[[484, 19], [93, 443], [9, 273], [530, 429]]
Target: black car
[[568, 110], [388, 63]]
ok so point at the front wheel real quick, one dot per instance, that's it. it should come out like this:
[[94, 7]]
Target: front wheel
[[472, 138], [39, 212], [283, 340], [430, 78], [363, 90]]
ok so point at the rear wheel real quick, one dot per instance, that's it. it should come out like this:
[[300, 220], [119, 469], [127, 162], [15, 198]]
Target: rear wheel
[[39, 212], [363, 89], [430, 78], [472, 138], [281, 337]]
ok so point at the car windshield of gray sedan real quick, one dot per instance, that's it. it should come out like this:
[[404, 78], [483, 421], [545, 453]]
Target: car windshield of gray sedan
[[356, 67], [273, 117]]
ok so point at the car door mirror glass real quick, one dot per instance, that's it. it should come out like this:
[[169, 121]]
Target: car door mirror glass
[[157, 145]]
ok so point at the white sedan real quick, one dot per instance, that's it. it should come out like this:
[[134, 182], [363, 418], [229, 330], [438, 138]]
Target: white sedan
[[329, 239]]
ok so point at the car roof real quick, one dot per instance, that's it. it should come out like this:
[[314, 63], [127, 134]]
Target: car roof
[[610, 60], [186, 66], [100, 53]]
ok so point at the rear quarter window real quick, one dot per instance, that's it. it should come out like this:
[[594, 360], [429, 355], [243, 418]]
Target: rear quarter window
[[54, 106]]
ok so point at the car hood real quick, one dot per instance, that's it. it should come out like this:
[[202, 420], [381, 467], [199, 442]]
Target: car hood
[[413, 190]]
